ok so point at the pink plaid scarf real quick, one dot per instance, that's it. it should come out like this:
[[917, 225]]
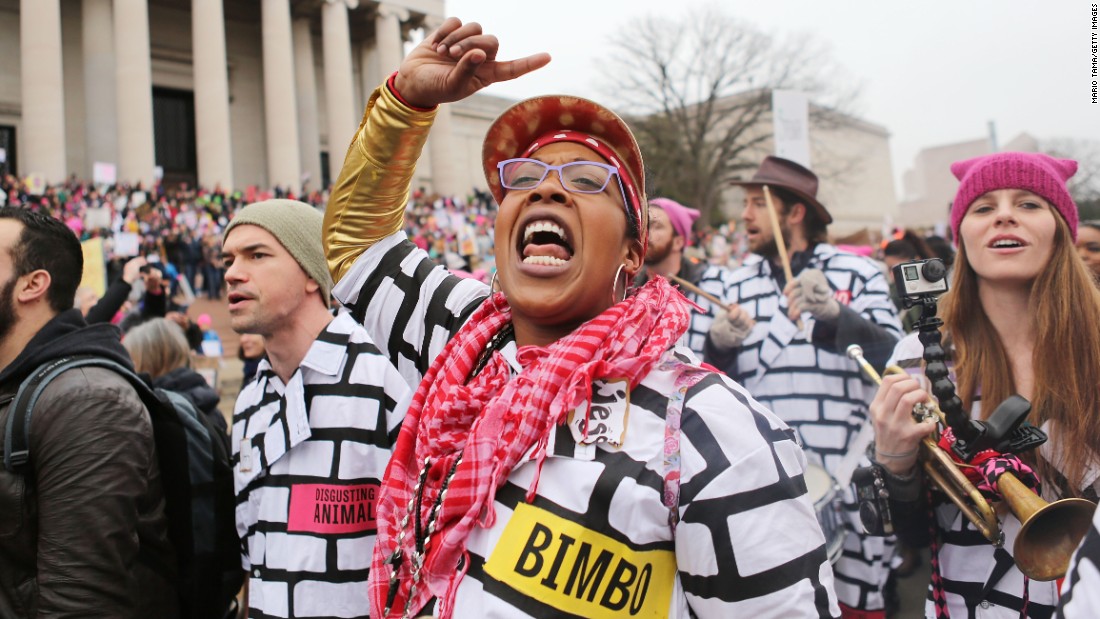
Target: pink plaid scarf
[[492, 422]]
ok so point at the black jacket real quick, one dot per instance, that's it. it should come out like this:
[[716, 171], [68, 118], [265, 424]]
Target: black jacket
[[193, 386], [83, 534]]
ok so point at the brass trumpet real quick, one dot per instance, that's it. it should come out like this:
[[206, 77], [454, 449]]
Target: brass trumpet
[[1050, 532]]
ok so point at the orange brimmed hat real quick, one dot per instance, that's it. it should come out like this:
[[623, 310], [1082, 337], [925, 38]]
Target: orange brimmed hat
[[533, 123]]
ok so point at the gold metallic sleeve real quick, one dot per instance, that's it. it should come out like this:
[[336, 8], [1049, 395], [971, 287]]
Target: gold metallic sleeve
[[368, 200]]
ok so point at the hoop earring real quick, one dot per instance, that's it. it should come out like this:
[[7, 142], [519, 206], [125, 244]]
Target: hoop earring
[[493, 291], [615, 284]]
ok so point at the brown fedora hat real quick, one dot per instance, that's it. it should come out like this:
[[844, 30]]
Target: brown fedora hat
[[779, 172]]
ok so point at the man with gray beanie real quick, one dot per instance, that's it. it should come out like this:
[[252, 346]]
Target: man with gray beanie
[[312, 435]]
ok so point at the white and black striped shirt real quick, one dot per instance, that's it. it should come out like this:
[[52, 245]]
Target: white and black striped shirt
[[308, 461], [818, 390], [596, 542], [1081, 591], [980, 580]]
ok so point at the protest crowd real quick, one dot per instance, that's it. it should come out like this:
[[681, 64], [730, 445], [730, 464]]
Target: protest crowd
[[562, 396]]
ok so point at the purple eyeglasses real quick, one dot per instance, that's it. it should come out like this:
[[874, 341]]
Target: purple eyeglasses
[[575, 176]]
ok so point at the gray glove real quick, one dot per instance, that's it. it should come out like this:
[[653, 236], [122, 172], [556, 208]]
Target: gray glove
[[810, 292], [730, 328]]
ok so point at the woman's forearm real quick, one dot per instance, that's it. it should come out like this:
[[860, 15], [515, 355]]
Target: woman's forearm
[[369, 197]]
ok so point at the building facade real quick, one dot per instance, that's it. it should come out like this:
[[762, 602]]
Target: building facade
[[265, 93], [214, 92]]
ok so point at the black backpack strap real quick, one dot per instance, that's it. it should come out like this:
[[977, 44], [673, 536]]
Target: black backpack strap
[[17, 431]]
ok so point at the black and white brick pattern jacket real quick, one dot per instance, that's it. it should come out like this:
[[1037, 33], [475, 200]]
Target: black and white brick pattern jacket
[[308, 458], [596, 540], [980, 580], [1081, 591], [806, 378]]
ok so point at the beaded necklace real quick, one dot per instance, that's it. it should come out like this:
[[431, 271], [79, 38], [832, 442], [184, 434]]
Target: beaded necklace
[[422, 532], [414, 505]]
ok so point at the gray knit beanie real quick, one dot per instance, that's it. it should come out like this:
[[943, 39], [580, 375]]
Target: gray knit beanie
[[297, 226]]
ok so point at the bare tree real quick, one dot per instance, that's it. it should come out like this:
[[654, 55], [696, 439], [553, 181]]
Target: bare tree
[[697, 92], [1085, 185]]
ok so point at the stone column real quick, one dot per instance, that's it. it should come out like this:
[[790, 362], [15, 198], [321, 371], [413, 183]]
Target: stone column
[[43, 99], [368, 70], [441, 149], [387, 37], [442, 152], [339, 89], [134, 81], [280, 105], [212, 141], [305, 88], [101, 128]]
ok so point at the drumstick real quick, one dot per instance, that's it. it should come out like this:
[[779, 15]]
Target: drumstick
[[697, 290], [773, 215], [779, 242]]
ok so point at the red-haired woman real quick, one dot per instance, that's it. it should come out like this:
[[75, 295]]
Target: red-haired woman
[[1022, 317]]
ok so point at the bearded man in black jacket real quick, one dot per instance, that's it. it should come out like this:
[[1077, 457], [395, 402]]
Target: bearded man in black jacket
[[82, 531]]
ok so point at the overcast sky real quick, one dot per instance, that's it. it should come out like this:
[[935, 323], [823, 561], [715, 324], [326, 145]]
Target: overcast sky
[[932, 72]]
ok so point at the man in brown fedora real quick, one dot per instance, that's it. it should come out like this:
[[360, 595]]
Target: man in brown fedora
[[793, 358]]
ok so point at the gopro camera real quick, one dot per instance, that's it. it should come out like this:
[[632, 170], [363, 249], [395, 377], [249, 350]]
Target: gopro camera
[[921, 279], [874, 501]]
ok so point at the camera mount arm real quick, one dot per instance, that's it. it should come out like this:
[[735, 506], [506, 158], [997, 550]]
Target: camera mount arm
[[1006, 430]]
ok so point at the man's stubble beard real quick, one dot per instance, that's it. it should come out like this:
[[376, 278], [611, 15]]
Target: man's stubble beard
[[7, 308], [655, 255], [770, 249]]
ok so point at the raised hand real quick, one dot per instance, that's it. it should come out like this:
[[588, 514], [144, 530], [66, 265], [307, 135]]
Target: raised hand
[[153, 279], [132, 269], [454, 62]]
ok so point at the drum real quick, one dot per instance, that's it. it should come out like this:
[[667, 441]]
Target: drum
[[825, 494]]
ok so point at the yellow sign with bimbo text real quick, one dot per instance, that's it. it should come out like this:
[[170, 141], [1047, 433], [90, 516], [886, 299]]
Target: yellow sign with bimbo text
[[581, 571]]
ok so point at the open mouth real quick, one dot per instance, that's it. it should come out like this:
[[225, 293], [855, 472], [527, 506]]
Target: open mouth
[[1007, 243], [235, 298], [545, 242]]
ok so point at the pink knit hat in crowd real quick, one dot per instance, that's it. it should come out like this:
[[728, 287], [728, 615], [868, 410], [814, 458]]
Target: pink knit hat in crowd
[[1040, 174], [680, 216]]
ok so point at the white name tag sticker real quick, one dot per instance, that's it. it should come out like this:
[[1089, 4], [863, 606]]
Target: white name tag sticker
[[246, 456], [606, 418]]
